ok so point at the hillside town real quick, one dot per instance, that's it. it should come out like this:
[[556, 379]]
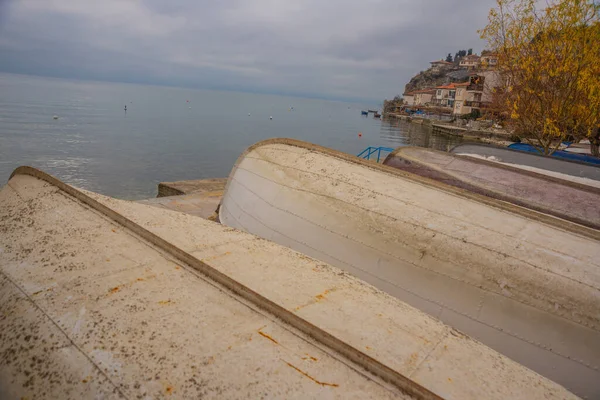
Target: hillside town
[[468, 85]]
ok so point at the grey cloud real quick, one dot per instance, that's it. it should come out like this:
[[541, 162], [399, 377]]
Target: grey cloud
[[337, 49]]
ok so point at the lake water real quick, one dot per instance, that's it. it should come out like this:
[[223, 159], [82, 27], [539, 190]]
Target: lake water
[[167, 133]]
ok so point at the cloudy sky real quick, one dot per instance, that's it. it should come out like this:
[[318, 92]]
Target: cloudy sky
[[326, 48]]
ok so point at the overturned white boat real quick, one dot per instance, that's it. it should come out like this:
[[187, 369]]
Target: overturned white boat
[[524, 283]]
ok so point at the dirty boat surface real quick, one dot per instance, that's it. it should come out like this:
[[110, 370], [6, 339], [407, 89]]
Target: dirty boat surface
[[104, 298], [524, 283], [564, 169], [528, 189]]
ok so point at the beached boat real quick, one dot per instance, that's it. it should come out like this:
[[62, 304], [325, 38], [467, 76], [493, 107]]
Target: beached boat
[[586, 158], [529, 189], [524, 283], [105, 298], [561, 168]]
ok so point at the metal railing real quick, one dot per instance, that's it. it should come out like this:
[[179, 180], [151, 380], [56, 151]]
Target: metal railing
[[370, 151]]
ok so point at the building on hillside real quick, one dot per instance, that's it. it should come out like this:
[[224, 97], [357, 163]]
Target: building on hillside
[[470, 62], [444, 96], [488, 61], [461, 97], [440, 65], [409, 98], [477, 93], [423, 97]]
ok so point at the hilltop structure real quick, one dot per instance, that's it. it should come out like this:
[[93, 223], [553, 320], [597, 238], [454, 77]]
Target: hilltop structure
[[462, 87]]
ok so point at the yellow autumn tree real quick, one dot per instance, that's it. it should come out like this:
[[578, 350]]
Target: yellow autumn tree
[[549, 61]]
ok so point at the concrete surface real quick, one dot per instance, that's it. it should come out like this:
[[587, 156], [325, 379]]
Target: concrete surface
[[196, 197], [104, 298], [202, 204], [518, 159], [215, 185], [527, 189], [524, 283]]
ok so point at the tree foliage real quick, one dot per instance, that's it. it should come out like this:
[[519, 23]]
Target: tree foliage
[[449, 57], [549, 61]]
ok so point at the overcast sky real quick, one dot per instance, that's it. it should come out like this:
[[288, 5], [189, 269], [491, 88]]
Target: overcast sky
[[327, 48]]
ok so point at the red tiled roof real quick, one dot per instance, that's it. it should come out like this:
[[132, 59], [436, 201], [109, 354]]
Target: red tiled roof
[[450, 86], [441, 62]]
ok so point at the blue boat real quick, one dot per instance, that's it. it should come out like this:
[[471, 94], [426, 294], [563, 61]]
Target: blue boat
[[558, 153], [364, 113]]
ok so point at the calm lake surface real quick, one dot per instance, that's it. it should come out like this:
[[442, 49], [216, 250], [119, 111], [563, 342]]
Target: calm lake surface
[[168, 133]]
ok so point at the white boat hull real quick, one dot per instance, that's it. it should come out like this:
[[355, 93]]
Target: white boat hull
[[524, 283]]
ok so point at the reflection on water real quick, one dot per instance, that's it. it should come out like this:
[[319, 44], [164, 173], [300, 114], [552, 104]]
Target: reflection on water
[[402, 133], [168, 133]]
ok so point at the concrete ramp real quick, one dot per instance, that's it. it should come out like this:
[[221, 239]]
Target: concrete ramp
[[525, 188], [103, 298], [524, 283]]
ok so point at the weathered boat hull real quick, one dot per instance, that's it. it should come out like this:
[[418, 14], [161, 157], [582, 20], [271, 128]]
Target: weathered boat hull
[[565, 155], [525, 188], [104, 298], [522, 282], [534, 162]]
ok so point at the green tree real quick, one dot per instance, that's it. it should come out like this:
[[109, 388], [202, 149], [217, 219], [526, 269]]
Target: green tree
[[470, 52], [449, 57]]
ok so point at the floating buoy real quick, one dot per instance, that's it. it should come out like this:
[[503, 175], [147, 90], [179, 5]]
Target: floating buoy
[[359, 134], [270, 117], [55, 117], [190, 108], [248, 114]]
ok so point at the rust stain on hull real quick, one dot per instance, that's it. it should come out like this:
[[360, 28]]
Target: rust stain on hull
[[310, 377]]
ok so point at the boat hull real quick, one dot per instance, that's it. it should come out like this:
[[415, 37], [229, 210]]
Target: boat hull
[[524, 283], [528, 189], [534, 162]]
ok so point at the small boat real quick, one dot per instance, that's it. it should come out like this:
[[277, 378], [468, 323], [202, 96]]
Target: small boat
[[372, 111], [504, 274], [571, 156], [565, 169], [376, 115], [364, 113], [525, 188]]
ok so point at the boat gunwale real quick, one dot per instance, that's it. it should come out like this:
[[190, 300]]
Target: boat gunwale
[[551, 220], [523, 152], [549, 178], [494, 193], [320, 335]]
